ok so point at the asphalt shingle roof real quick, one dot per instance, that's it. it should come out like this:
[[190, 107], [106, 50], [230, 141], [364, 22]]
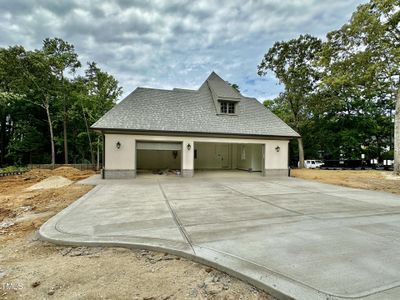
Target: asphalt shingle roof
[[193, 111]]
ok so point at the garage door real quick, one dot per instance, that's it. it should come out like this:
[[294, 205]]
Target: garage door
[[158, 146]]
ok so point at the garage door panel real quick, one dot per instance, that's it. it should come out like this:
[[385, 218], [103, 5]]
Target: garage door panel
[[158, 146]]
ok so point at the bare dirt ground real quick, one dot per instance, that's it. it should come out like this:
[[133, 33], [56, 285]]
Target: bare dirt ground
[[31, 269], [366, 179]]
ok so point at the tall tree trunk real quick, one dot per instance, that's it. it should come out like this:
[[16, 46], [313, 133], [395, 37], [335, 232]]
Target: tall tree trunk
[[53, 152], [88, 134], [397, 136], [65, 137], [301, 153], [65, 120]]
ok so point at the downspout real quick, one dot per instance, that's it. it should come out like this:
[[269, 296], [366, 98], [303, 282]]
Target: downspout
[[103, 156], [288, 157]]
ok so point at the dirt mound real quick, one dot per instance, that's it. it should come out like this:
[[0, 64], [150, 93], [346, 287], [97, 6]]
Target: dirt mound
[[14, 191], [51, 182], [67, 172], [70, 173]]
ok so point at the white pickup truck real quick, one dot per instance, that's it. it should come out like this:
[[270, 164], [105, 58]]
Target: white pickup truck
[[312, 163]]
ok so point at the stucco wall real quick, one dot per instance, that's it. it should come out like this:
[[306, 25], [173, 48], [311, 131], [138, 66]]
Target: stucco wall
[[274, 159], [187, 157], [124, 158]]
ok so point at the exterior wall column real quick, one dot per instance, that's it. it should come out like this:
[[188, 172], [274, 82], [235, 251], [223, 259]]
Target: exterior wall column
[[275, 156], [187, 158], [119, 162]]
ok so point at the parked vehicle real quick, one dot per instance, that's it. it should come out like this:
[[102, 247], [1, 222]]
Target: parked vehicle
[[312, 163], [351, 164]]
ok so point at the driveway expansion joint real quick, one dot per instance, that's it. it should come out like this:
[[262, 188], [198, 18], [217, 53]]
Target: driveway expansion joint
[[290, 256], [176, 219]]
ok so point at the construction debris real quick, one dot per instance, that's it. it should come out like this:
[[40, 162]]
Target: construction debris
[[166, 172], [80, 251], [6, 223]]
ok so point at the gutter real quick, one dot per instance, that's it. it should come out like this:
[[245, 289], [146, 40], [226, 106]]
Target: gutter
[[191, 133]]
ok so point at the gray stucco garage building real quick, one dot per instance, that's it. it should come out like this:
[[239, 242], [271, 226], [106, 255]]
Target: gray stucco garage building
[[214, 127]]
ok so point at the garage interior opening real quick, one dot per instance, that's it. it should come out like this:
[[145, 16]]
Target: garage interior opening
[[225, 156], [159, 158]]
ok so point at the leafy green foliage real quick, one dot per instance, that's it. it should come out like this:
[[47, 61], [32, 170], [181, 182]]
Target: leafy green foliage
[[340, 94], [11, 169], [292, 62], [235, 86], [25, 141], [42, 110]]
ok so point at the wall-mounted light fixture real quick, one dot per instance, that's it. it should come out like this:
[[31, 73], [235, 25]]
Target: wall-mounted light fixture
[[277, 148], [188, 146], [118, 145]]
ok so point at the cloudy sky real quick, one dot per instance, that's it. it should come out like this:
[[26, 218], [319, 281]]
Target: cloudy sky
[[173, 43]]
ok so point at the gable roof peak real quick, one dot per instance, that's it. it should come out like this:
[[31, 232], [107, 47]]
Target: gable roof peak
[[221, 89], [213, 75]]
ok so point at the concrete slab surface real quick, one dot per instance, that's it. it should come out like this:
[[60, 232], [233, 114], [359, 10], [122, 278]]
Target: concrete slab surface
[[293, 238]]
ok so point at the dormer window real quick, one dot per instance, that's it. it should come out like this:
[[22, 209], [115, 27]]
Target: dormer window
[[227, 107]]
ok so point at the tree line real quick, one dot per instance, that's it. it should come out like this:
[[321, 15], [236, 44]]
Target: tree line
[[342, 94], [46, 108]]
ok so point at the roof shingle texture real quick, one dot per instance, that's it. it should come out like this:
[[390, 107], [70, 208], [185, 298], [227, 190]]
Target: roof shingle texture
[[192, 112]]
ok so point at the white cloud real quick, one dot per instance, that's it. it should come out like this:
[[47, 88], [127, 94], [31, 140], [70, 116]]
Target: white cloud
[[173, 43]]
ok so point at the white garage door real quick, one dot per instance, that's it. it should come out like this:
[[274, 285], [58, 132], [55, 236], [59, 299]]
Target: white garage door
[[158, 146]]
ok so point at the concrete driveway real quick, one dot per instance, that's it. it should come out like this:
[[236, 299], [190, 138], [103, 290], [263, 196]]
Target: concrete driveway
[[290, 237]]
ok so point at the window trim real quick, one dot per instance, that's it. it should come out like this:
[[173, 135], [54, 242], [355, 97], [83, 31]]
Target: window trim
[[227, 107]]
